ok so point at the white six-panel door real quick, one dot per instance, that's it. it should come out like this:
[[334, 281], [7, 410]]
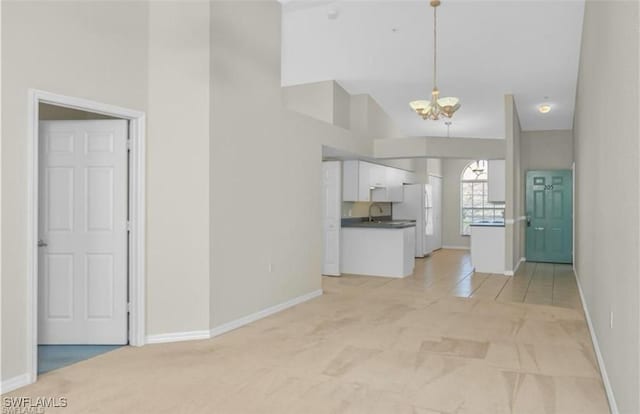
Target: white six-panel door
[[82, 261], [332, 214]]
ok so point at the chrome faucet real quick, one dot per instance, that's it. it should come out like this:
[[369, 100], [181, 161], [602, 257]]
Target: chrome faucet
[[379, 209]]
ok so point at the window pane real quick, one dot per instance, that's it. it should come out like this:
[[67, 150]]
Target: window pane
[[467, 190], [474, 197], [478, 200], [467, 200], [476, 170], [468, 174], [489, 214]]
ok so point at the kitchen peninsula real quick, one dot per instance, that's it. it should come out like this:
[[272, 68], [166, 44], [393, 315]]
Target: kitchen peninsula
[[488, 247], [382, 247]]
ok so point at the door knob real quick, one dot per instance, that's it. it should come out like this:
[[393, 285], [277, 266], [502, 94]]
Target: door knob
[[42, 243]]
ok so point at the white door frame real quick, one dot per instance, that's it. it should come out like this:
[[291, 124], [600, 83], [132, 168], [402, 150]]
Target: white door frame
[[136, 195]]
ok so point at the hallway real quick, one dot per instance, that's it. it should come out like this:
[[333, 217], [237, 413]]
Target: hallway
[[450, 271], [368, 345]]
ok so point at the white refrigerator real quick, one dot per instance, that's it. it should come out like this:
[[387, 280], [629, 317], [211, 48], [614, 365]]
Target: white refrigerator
[[418, 205]]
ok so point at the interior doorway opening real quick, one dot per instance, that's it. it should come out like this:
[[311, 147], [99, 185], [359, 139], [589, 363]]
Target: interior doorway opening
[[86, 229], [83, 213]]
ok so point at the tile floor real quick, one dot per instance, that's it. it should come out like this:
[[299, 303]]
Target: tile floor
[[52, 357], [535, 283], [368, 345]]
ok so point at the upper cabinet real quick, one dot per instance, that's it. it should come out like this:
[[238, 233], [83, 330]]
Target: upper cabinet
[[364, 181], [395, 180], [353, 188], [496, 183], [377, 175]]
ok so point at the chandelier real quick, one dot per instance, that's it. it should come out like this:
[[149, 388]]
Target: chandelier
[[438, 106]]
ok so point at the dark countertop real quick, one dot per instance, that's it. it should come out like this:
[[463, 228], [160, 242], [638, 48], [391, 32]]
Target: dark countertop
[[378, 223], [488, 224]]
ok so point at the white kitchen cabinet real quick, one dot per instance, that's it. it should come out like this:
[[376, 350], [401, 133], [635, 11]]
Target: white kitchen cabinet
[[377, 175], [410, 178], [364, 181], [355, 181], [378, 252], [395, 180], [378, 182], [496, 182], [488, 248]]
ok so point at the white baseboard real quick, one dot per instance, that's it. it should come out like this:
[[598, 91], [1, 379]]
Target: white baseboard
[[229, 326], [603, 371], [177, 337], [15, 383], [456, 247], [513, 272]]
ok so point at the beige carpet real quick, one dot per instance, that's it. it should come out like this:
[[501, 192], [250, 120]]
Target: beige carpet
[[369, 345]]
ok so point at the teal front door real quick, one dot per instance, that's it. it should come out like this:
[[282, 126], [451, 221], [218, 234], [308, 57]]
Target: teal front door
[[549, 216]]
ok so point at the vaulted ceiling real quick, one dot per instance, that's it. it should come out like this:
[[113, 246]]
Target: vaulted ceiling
[[486, 49]]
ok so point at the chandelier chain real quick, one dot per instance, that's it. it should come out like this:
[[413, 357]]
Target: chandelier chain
[[435, 48]]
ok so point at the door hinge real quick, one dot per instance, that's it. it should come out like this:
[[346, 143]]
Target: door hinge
[[129, 144], [128, 307], [128, 225]]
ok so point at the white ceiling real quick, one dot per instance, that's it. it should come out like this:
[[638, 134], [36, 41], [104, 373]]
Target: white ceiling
[[486, 49]]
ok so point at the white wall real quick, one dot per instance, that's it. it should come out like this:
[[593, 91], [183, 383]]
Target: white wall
[[68, 48], [514, 198], [546, 150], [178, 167], [434, 167], [101, 51], [313, 99], [451, 170], [267, 212], [341, 107], [607, 190]]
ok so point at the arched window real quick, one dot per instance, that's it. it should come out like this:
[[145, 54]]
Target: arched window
[[474, 202]]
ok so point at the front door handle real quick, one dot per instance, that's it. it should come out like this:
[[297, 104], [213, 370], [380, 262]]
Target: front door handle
[[42, 243], [538, 228]]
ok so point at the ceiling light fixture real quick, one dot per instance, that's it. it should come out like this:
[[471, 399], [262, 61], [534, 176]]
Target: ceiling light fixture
[[479, 168], [544, 108], [438, 106]]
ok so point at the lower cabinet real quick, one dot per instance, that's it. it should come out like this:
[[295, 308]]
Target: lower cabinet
[[488, 249], [378, 252]]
